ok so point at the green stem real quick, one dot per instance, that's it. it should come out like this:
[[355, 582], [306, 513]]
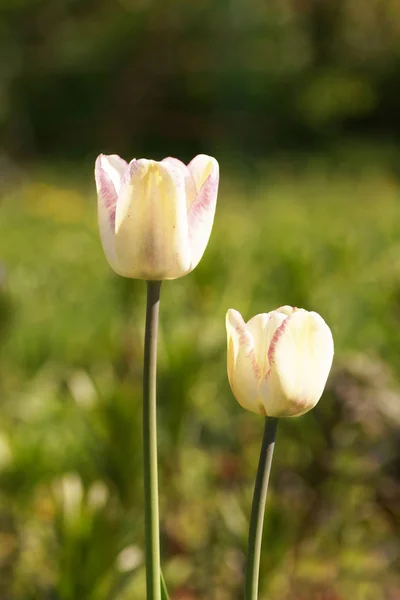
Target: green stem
[[152, 531], [258, 509]]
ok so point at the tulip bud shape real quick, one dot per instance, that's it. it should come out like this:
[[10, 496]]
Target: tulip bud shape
[[278, 362], [155, 218]]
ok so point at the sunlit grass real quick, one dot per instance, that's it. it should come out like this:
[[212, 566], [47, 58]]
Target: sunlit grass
[[323, 239]]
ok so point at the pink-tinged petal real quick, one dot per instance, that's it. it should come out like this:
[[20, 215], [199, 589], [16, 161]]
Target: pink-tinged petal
[[263, 327], [243, 369], [301, 354], [108, 173], [200, 167], [202, 211], [115, 167], [190, 185], [151, 222], [278, 332]]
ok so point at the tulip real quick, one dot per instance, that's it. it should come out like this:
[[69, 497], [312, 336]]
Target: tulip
[[278, 362], [155, 218]]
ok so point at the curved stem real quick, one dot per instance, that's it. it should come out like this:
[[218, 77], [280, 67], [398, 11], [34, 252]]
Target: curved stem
[[258, 509], [152, 531]]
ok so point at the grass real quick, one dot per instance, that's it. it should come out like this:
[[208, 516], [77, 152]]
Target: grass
[[324, 238]]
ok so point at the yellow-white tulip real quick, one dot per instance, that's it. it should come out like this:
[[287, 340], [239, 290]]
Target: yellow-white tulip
[[155, 218], [278, 362]]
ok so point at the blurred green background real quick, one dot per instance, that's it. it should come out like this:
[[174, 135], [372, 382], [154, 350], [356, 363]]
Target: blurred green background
[[298, 100]]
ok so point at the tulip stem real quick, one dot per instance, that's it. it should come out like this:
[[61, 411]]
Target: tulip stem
[[152, 531], [258, 509]]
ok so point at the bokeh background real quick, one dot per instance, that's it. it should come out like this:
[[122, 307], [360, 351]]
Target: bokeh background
[[299, 102]]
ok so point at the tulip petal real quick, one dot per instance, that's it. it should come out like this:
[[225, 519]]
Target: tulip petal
[[262, 328], [205, 171], [151, 227], [286, 310], [243, 368], [301, 354], [200, 168], [114, 166], [190, 185], [108, 174]]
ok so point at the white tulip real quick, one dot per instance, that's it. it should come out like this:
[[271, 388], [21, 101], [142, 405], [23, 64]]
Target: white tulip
[[278, 362], [155, 218]]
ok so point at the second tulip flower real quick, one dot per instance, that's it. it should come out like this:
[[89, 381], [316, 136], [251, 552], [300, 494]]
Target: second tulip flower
[[278, 362]]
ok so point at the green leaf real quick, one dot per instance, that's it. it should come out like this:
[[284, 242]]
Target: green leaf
[[164, 591]]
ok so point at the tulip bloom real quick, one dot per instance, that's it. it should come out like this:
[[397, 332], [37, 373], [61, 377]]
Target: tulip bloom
[[278, 362], [155, 218]]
